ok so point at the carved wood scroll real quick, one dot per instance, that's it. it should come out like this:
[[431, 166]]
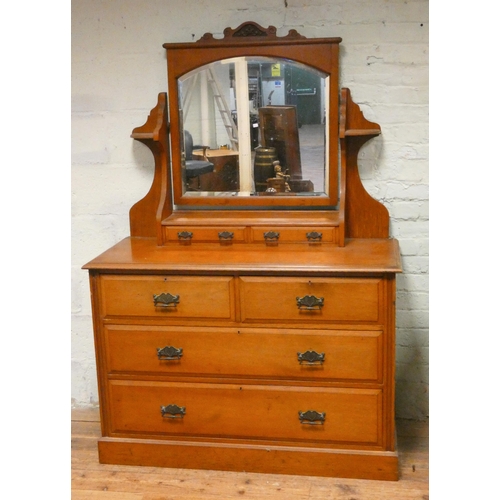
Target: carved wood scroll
[[365, 217], [250, 30]]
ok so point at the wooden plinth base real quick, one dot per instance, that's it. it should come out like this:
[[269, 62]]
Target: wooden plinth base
[[251, 458]]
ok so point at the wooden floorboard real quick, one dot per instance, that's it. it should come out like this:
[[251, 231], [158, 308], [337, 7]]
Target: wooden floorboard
[[94, 481]]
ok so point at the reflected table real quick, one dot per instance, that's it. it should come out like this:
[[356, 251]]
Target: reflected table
[[225, 176]]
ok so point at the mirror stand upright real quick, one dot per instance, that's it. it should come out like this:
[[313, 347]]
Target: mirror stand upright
[[248, 322]]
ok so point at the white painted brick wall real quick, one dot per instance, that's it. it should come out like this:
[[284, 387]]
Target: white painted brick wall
[[118, 68]]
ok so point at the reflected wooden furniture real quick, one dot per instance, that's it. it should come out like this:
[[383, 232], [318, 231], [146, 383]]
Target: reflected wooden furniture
[[250, 339], [225, 176], [279, 129]]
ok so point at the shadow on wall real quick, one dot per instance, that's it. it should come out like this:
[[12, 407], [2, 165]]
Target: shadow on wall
[[412, 352]]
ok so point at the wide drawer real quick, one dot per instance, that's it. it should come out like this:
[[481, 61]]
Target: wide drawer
[[246, 353], [246, 411], [168, 297], [311, 300]]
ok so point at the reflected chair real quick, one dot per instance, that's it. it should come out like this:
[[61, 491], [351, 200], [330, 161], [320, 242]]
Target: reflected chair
[[195, 168]]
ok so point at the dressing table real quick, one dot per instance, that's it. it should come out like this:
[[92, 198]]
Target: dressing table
[[248, 330]]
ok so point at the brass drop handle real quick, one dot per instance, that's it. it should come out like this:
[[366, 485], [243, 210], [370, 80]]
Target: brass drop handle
[[169, 353], [173, 411], [166, 300], [185, 236], [314, 236], [310, 302], [226, 236], [311, 357], [271, 236], [312, 417]]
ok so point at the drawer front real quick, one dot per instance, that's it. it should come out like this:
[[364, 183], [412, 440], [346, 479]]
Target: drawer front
[[246, 353], [168, 297], [247, 411], [197, 234], [311, 300], [289, 234]]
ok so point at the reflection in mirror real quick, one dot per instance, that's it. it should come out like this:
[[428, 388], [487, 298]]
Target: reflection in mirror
[[254, 127]]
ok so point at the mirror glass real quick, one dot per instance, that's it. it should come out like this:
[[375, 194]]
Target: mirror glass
[[254, 126]]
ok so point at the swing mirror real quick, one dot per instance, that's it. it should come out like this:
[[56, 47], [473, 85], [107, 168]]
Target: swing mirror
[[245, 114], [253, 123]]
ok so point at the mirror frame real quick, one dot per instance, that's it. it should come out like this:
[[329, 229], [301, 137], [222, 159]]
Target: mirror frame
[[252, 40]]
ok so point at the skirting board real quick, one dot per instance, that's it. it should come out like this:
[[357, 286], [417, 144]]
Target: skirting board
[[381, 465]]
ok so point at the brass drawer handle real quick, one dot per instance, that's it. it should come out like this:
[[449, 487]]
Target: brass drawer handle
[[311, 357], [169, 353], [312, 417], [310, 302], [226, 236], [271, 236], [173, 411], [166, 300], [314, 236], [185, 236]]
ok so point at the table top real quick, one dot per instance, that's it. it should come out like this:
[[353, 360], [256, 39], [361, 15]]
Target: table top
[[215, 152], [358, 256]]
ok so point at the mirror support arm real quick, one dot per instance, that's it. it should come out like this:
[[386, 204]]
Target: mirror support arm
[[365, 217], [146, 215]]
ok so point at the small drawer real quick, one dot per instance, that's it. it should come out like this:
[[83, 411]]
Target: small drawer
[[277, 234], [268, 353], [316, 415], [168, 297], [204, 234], [310, 300]]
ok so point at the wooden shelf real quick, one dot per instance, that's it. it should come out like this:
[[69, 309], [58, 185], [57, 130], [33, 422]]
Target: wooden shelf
[[359, 132]]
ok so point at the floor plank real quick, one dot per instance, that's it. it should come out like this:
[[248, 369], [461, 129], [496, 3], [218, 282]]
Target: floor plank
[[104, 495], [94, 481]]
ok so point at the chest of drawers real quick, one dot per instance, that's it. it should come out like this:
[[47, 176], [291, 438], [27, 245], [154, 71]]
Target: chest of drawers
[[208, 366]]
